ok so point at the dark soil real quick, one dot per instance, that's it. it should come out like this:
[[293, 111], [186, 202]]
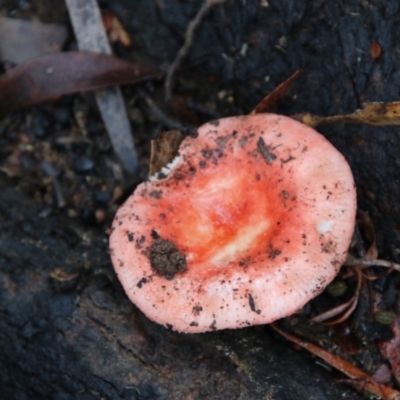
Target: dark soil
[[67, 329], [165, 258]]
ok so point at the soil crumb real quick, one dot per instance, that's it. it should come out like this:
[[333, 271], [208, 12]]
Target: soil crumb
[[265, 151], [165, 258]]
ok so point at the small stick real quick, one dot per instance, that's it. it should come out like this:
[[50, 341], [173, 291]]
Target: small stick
[[91, 36], [354, 373], [188, 43], [161, 117], [353, 262]]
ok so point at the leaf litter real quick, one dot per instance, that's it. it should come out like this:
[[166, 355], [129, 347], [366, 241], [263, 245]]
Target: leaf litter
[[43, 79], [22, 40], [378, 114], [166, 147], [91, 36], [360, 380]]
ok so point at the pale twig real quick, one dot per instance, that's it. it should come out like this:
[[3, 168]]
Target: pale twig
[[345, 308], [353, 262], [188, 43], [91, 36], [161, 117]]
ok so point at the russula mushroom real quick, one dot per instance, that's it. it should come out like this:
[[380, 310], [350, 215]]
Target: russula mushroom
[[251, 221]]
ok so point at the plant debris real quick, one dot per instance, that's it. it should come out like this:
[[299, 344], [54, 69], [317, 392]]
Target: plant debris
[[269, 102], [376, 114], [91, 36], [359, 379], [188, 42], [164, 150], [44, 78], [344, 309], [115, 30], [22, 40]]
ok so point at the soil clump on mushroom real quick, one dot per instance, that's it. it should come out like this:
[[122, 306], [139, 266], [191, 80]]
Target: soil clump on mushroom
[[165, 258]]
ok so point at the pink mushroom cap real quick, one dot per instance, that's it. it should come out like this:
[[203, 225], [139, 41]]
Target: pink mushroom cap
[[252, 221]]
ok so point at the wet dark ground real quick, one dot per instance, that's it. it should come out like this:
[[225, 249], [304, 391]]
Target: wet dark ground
[[67, 329]]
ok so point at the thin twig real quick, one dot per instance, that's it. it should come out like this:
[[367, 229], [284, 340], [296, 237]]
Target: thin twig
[[188, 43], [50, 171], [161, 117], [368, 383], [353, 262], [346, 308]]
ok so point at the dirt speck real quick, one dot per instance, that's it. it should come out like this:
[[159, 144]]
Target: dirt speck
[[141, 283], [273, 253], [252, 304], [285, 194], [154, 234], [157, 194], [165, 258], [328, 247], [197, 310], [265, 151]]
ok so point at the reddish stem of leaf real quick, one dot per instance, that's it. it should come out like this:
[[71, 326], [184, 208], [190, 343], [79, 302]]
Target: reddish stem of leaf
[[369, 384], [269, 102]]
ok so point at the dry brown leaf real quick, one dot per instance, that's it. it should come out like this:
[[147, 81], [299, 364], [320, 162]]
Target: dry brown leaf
[[370, 258], [22, 40], [390, 349], [269, 102], [383, 374], [115, 30], [376, 113], [375, 50], [12, 164], [345, 308], [164, 149], [51, 76], [369, 233], [360, 380]]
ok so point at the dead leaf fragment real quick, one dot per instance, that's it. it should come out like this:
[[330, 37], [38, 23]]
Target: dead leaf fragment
[[91, 36], [164, 150], [359, 379], [12, 164], [382, 374], [376, 114], [115, 30], [52, 76], [390, 350], [375, 50], [343, 311], [22, 40], [368, 230], [269, 102]]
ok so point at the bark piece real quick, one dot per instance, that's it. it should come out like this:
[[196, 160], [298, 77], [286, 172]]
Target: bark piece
[[89, 338]]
